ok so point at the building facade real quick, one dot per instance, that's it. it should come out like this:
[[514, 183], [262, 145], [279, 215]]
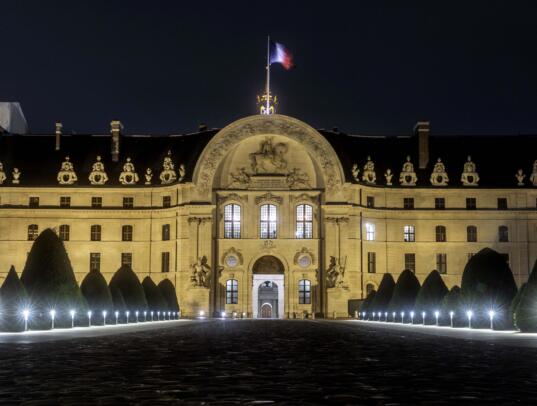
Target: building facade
[[269, 217]]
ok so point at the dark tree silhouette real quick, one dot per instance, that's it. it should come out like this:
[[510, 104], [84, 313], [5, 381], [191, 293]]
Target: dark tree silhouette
[[431, 294], [155, 300], [366, 304], [97, 293], [405, 293], [384, 294], [13, 299], [168, 293], [126, 281]]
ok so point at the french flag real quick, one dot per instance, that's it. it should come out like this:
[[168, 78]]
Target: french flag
[[280, 54]]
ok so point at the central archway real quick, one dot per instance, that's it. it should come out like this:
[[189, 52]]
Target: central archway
[[268, 288]]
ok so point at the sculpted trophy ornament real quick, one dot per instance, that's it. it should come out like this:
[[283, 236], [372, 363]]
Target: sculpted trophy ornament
[[16, 174], [296, 179], [439, 177], [520, 176], [469, 175], [3, 176], [168, 174], [388, 175], [355, 172], [335, 273], [148, 176], [129, 175], [97, 175], [240, 179], [369, 175], [533, 176], [200, 273], [270, 158], [182, 172], [67, 175], [408, 176]]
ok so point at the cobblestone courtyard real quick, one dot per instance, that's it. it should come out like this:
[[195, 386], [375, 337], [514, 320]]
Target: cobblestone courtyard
[[263, 362]]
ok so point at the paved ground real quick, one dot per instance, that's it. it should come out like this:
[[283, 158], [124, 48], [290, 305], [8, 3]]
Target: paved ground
[[285, 362]]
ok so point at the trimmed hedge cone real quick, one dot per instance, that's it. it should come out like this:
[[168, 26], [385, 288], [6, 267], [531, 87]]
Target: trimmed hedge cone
[[366, 304], [168, 293], [405, 293], [525, 314], [13, 297], [384, 294], [431, 295], [154, 297], [97, 293], [126, 282]]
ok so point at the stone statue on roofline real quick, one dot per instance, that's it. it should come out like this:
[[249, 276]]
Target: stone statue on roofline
[[533, 176], [369, 175], [16, 174], [469, 176], [168, 174], [408, 175], [129, 175], [355, 172], [67, 175], [148, 176], [520, 176], [3, 176], [439, 176], [97, 175], [388, 175]]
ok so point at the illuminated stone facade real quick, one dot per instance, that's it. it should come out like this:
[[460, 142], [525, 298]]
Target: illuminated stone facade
[[266, 217]]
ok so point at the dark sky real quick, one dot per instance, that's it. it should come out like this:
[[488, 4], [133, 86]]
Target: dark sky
[[373, 67]]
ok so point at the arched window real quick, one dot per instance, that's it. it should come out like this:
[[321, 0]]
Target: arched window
[[232, 291], [304, 221], [232, 221], [33, 232], [503, 234], [440, 234], [165, 232], [126, 233], [409, 234], [268, 221], [304, 291], [64, 232], [471, 234], [369, 232], [95, 232]]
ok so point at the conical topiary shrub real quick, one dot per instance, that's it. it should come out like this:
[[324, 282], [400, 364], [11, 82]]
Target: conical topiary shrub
[[168, 293], [50, 281], [452, 303], [126, 281], [13, 300], [155, 300], [384, 294], [366, 304], [117, 300], [516, 301], [525, 315], [488, 283], [431, 294], [97, 293], [405, 292]]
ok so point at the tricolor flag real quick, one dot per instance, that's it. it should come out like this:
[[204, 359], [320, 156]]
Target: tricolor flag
[[280, 54]]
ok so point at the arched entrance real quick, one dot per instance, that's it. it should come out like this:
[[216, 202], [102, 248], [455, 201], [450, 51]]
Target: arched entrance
[[268, 288]]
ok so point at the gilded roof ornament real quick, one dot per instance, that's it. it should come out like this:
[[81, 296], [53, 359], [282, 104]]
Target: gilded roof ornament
[[67, 175], [97, 175], [129, 175]]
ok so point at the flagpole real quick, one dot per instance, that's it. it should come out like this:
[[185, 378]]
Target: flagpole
[[268, 75]]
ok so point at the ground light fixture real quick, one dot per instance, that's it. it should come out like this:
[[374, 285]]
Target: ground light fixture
[[202, 314], [158, 315], [436, 314], [127, 315], [26, 316], [393, 317], [145, 315], [151, 315], [451, 314], [169, 315], [412, 317], [469, 314], [402, 317], [363, 315], [491, 316], [385, 316], [223, 314], [72, 313], [89, 317], [116, 313], [136, 314], [423, 314], [52, 313], [373, 316], [104, 317]]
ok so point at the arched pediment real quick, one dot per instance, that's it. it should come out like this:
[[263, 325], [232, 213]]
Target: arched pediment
[[227, 139]]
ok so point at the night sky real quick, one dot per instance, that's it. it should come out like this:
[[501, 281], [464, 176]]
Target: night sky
[[368, 67]]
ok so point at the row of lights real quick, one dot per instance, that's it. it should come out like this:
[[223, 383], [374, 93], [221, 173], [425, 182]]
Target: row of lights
[[469, 316], [223, 315], [52, 313]]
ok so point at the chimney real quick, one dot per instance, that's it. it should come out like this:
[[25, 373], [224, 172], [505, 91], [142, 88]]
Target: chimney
[[58, 133], [115, 129], [421, 129]]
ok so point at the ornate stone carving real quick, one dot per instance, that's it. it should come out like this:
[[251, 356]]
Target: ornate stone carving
[[439, 176], [148, 176], [388, 175], [239, 180], [232, 252], [335, 273], [297, 180], [268, 245], [269, 158], [533, 176], [168, 174], [269, 197], [232, 197], [408, 177], [304, 198], [469, 175], [317, 146], [369, 175], [200, 273], [520, 177], [182, 172], [303, 252], [16, 174], [3, 176], [129, 175], [355, 172], [97, 175], [67, 175]]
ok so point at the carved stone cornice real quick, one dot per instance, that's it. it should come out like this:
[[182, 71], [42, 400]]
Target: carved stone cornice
[[269, 197], [304, 198], [233, 196], [337, 220], [199, 220]]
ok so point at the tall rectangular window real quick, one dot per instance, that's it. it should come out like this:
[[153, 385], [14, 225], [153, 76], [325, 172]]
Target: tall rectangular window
[[371, 262], [503, 234], [95, 261], [441, 263], [471, 234], [269, 221], [441, 234], [165, 232], [166, 201], [232, 291], [370, 201], [409, 234], [439, 203], [33, 232], [369, 231], [128, 202], [64, 232], [410, 262], [126, 259], [95, 232], [408, 203], [126, 233], [304, 291], [96, 202], [304, 221], [502, 203], [165, 262], [65, 201], [471, 203], [232, 221], [34, 201]]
